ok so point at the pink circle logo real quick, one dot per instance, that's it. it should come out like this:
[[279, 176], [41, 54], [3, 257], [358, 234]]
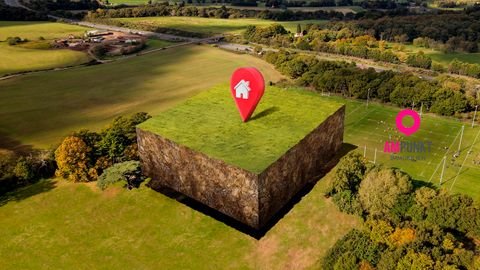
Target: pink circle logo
[[416, 122]]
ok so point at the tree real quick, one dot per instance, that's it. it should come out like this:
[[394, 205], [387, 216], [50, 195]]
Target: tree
[[128, 171], [358, 244], [348, 202], [116, 139], [24, 169], [381, 189], [7, 164], [380, 230], [419, 60], [348, 174], [415, 260], [346, 261], [72, 159], [424, 195]]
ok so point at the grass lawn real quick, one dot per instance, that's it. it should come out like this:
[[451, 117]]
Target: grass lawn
[[21, 58], [211, 25], [58, 225], [210, 123], [39, 109], [157, 43], [473, 58], [374, 125]]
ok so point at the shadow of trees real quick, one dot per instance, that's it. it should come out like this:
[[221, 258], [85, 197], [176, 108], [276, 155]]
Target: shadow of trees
[[28, 191]]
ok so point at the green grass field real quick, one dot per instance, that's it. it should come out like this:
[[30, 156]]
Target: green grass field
[[59, 225], [21, 58], [374, 125], [441, 57], [157, 43], [211, 25], [210, 123], [39, 109], [446, 58]]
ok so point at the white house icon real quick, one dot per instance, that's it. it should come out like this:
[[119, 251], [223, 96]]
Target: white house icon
[[241, 89]]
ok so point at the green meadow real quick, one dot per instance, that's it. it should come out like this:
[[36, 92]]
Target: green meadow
[[210, 123], [35, 54], [212, 25], [39, 109], [441, 57], [58, 225]]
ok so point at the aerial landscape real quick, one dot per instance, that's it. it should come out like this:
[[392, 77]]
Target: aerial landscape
[[240, 134]]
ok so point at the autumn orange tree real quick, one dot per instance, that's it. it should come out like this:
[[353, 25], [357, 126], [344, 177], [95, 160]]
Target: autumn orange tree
[[72, 158]]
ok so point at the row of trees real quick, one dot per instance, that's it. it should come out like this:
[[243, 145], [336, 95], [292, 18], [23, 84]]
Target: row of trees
[[353, 43], [17, 170], [405, 227], [8, 13], [84, 155], [444, 96], [164, 9], [453, 44], [462, 68], [50, 5]]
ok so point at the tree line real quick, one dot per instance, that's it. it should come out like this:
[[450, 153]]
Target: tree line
[[51, 5], [346, 41], [8, 13], [444, 95], [460, 30], [81, 157], [407, 225], [165, 9]]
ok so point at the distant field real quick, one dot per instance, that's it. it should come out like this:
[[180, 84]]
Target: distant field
[[444, 58], [57, 225], [211, 25], [473, 58], [261, 6], [372, 126], [39, 109], [18, 58], [343, 9]]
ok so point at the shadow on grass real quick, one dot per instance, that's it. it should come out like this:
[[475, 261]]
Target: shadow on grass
[[28, 191], [8, 143], [257, 234], [265, 112]]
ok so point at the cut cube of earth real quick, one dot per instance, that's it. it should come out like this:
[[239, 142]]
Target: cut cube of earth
[[248, 171]]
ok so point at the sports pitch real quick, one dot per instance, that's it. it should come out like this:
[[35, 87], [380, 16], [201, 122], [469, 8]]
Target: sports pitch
[[373, 125]]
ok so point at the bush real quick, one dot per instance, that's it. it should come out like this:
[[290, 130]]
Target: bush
[[128, 171], [347, 202], [13, 40], [24, 169], [357, 244]]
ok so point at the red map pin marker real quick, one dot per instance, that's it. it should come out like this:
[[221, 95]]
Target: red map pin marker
[[247, 86]]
